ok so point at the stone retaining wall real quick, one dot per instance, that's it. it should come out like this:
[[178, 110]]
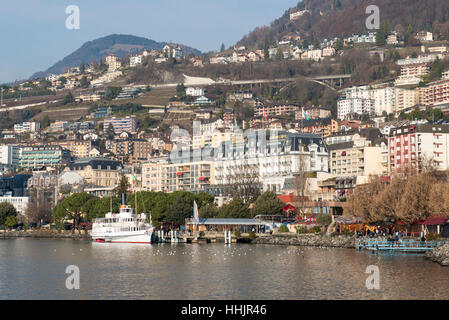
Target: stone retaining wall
[[311, 240], [440, 255], [44, 234]]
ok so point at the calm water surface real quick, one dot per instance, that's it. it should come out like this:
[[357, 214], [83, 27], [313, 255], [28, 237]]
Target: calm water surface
[[35, 269]]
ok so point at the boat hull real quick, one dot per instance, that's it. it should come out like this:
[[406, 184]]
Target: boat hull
[[139, 238]]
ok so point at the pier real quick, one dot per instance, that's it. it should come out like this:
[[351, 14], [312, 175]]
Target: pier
[[403, 245]]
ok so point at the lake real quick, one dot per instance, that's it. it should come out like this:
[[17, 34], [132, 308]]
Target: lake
[[35, 269]]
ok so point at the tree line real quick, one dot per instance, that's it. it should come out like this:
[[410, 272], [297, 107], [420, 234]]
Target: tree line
[[408, 196]]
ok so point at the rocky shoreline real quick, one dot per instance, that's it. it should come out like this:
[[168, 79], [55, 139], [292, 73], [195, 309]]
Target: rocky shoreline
[[439, 255], [44, 234], [309, 240]]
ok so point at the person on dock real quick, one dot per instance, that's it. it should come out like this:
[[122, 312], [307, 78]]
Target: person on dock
[[396, 238], [423, 240]]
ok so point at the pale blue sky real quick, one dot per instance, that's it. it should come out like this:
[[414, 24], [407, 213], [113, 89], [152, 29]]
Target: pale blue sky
[[34, 36]]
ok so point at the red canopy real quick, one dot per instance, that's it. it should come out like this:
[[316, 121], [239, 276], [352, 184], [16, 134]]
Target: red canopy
[[435, 220]]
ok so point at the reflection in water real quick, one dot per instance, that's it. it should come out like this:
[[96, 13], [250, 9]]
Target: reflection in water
[[35, 269]]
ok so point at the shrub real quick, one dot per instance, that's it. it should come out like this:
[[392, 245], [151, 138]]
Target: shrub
[[202, 234], [433, 237], [283, 228], [252, 235], [302, 230], [237, 233], [323, 219], [315, 229], [347, 233]]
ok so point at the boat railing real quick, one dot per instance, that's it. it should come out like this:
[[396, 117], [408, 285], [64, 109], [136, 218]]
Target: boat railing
[[406, 244]]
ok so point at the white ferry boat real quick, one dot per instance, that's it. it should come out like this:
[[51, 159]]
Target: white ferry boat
[[124, 227]]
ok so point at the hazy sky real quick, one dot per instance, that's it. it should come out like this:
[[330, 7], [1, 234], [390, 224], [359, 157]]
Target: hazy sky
[[34, 36]]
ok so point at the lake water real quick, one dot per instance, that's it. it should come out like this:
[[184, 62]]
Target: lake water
[[35, 269]]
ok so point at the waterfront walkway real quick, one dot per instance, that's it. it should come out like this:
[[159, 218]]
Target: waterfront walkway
[[403, 245]]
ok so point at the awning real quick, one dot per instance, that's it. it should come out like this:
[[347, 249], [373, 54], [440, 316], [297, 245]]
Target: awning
[[179, 173], [203, 178], [435, 220]]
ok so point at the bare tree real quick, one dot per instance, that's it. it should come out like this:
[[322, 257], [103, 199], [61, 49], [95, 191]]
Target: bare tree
[[244, 182], [39, 208], [301, 183]]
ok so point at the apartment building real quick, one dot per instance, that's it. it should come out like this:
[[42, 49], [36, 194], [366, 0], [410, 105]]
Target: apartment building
[[275, 110], [135, 60], [409, 145], [120, 125], [19, 203], [347, 107], [27, 127], [9, 156], [412, 74], [102, 172], [161, 174], [78, 148], [406, 99], [39, 156], [131, 150], [362, 156], [436, 93]]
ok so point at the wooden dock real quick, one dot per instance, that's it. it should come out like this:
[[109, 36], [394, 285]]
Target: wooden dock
[[403, 245]]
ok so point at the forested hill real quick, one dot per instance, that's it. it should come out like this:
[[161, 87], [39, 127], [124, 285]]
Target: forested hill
[[336, 18], [118, 44]]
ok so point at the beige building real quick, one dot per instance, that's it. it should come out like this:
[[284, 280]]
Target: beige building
[[406, 99], [161, 175], [100, 172], [359, 157], [78, 148]]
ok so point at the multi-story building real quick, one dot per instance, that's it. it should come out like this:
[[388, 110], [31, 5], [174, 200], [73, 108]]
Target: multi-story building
[[195, 92], [161, 174], [135, 60], [275, 110], [40, 156], [101, 172], [406, 99], [362, 156], [313, 113], [90, 97], [15, 186], [410, 145], [347, 107], [19, 203], [27, 127], [132, 150], [113, 63], [120, 125], [78, 148], [274, 157], [412, 74], [436, 93], [9, 156]]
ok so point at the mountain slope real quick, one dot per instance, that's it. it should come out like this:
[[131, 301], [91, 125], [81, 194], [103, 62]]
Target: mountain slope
[[337, 18], [120, 45]]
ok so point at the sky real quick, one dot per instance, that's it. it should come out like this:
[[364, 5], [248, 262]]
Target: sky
[[34, 34]]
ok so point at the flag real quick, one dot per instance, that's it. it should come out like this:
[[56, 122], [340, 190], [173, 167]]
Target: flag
[[134, 183], [304, 114], [151, 219], [235, 124], [264, 114]]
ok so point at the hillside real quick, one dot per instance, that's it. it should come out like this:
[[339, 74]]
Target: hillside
[[120, 45], [338, 18]]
